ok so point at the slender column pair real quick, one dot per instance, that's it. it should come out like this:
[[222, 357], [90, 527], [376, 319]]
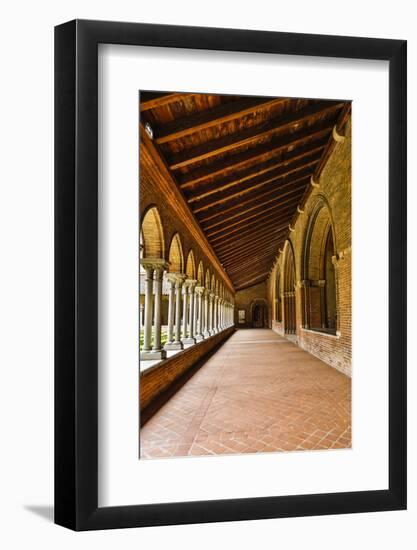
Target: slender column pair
[[199, 290], [188, 311], [154, 269], [176, 281]]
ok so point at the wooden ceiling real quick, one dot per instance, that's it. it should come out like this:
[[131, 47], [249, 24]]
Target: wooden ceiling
[[243, 164]]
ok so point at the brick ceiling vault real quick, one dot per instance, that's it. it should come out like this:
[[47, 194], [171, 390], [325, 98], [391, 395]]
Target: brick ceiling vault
[[243, 165]]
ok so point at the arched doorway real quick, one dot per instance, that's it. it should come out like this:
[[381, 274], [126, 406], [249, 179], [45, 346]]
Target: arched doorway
[[259, 314], [289, 291]]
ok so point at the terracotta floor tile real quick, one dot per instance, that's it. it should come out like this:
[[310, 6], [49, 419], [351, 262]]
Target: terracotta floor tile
[[257, 393]]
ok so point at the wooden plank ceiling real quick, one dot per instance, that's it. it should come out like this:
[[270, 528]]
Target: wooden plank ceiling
[[243, 164]]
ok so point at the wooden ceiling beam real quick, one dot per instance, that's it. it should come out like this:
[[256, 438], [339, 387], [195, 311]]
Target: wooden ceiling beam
[[220, 114], [230, 255], [295, 186], [248, 231], [245, 282], [253, 264], [229, 235], [256, 155], [300, 171], [253, 256], [256, 171], [295, 158], [272, 200], [234, 245], [233, 256], [160, 99], [247, 137], [252, 217]]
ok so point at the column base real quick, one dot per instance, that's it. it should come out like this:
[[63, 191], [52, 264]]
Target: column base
[[206, 334], [199, 338], [188, 340], [173, 346], [153, 355]]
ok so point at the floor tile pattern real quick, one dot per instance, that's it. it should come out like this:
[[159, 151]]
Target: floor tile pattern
[[258, 393]]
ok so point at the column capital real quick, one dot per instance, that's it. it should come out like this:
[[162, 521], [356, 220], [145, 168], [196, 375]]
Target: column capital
[[191, 284], [179, 279], [158, 264], [200, 289], [171, 278]]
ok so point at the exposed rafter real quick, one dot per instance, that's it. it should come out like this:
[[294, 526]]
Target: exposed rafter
[[247, 137], [243, 167]]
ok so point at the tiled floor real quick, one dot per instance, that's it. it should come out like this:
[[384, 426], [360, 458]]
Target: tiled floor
[[258, 393]]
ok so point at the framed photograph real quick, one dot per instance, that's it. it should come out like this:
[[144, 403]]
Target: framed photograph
[[230, 338]]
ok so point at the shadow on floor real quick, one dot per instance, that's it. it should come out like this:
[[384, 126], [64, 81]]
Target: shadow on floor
[[45, 512]]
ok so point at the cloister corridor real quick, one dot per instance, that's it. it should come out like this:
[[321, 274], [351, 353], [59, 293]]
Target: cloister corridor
[[259, 392]]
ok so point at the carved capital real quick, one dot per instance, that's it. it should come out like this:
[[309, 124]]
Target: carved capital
[[158, 264]]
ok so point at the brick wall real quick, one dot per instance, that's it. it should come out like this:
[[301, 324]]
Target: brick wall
[[244, 300], [335, 191], [155, 380]]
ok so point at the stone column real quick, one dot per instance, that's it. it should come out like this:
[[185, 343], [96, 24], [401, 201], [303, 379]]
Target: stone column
[[190, 287], [178, 287], [216, 314], [206, 332], [157, 351], [153, 266], [210, 319], [199, 291], [147, 325], [184, 312], [171, 312]]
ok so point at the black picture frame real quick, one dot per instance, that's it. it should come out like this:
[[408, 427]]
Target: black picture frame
[[76, 272]]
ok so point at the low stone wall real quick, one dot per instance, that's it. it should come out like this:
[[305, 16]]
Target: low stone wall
[[158, 379]]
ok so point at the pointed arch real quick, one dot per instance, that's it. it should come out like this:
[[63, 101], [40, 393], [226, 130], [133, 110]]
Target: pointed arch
[[318, 271], [176, 256], [213, 283], [200, 274], [207, 280], [289, 290], [152, 234], [190, 265]]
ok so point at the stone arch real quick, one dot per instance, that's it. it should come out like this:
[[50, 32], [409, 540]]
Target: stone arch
[[207, 279], [213, 283], [259, 313], [289, 279], [152, 234], [190, 265], [319, 274], [176, 256], [200, 274]]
